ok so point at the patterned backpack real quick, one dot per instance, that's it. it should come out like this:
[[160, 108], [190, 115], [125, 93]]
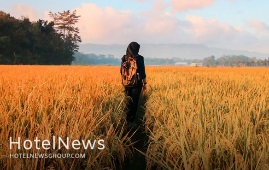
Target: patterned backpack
[[129, 72]]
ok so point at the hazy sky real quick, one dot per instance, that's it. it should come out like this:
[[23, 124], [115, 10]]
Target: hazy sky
[[230, 24]]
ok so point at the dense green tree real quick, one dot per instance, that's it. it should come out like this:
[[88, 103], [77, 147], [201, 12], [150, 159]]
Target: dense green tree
[[25, 42]]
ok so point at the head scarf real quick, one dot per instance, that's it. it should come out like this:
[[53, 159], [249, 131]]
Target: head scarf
[[132, 49]]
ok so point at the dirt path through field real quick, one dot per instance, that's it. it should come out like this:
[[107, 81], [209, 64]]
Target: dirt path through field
[[138, 160]]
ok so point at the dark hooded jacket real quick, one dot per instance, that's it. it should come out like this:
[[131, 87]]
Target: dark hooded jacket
[[132, 50]]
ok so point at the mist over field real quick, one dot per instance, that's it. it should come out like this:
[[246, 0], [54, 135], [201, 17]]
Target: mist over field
[[187, 51]]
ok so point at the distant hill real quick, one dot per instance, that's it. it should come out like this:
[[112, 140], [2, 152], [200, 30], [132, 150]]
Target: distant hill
[[184, 51]]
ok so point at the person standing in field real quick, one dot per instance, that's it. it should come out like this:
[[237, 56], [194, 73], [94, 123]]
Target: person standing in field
[[133, 78]]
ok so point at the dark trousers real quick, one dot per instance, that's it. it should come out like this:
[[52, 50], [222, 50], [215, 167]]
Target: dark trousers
[[132, 94]]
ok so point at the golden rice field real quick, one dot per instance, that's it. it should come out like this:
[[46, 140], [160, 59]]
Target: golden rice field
[[75, 102], [196, 118]]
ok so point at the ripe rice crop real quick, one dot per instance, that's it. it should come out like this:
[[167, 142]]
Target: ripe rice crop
[[208, 118], [76, 102], [196, 118]]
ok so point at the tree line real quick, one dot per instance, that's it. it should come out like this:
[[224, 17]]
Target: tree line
[[226, 60], [235, 60], [101, 59], [95, 59], [40, 42]]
